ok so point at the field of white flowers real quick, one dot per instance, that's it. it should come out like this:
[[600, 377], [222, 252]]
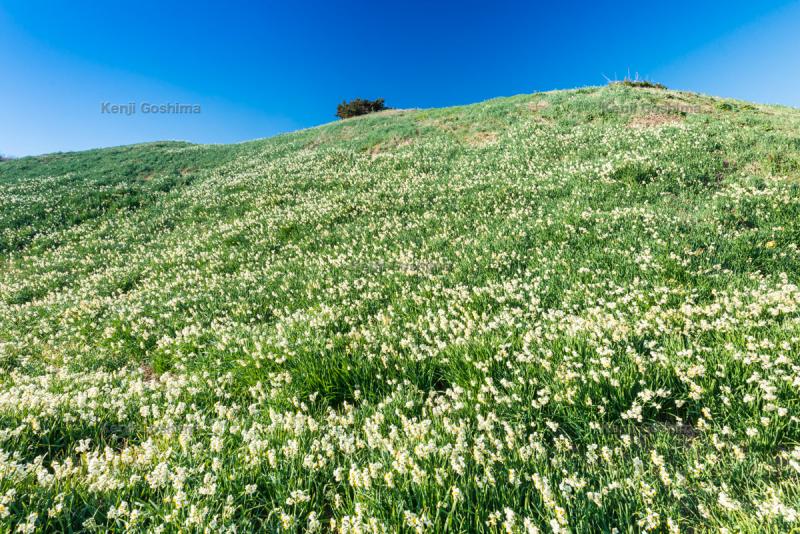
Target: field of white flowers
[[564, 312]]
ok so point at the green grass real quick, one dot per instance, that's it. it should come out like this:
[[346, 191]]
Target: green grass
[[574, 310]]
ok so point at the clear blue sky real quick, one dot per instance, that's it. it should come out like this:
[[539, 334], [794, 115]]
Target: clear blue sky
[[260, 68]]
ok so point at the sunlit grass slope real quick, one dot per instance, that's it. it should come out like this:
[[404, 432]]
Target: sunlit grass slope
[[568, 311]]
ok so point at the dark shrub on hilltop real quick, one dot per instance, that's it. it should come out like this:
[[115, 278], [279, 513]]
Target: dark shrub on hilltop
[[359, 107]]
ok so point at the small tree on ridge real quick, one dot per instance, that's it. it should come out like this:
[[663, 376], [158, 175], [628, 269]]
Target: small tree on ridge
[[359, 106]]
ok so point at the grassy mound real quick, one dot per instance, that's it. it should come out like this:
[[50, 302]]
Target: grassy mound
[[573, 310]]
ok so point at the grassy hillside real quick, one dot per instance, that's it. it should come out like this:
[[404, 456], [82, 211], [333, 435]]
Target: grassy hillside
[[572, 311]]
